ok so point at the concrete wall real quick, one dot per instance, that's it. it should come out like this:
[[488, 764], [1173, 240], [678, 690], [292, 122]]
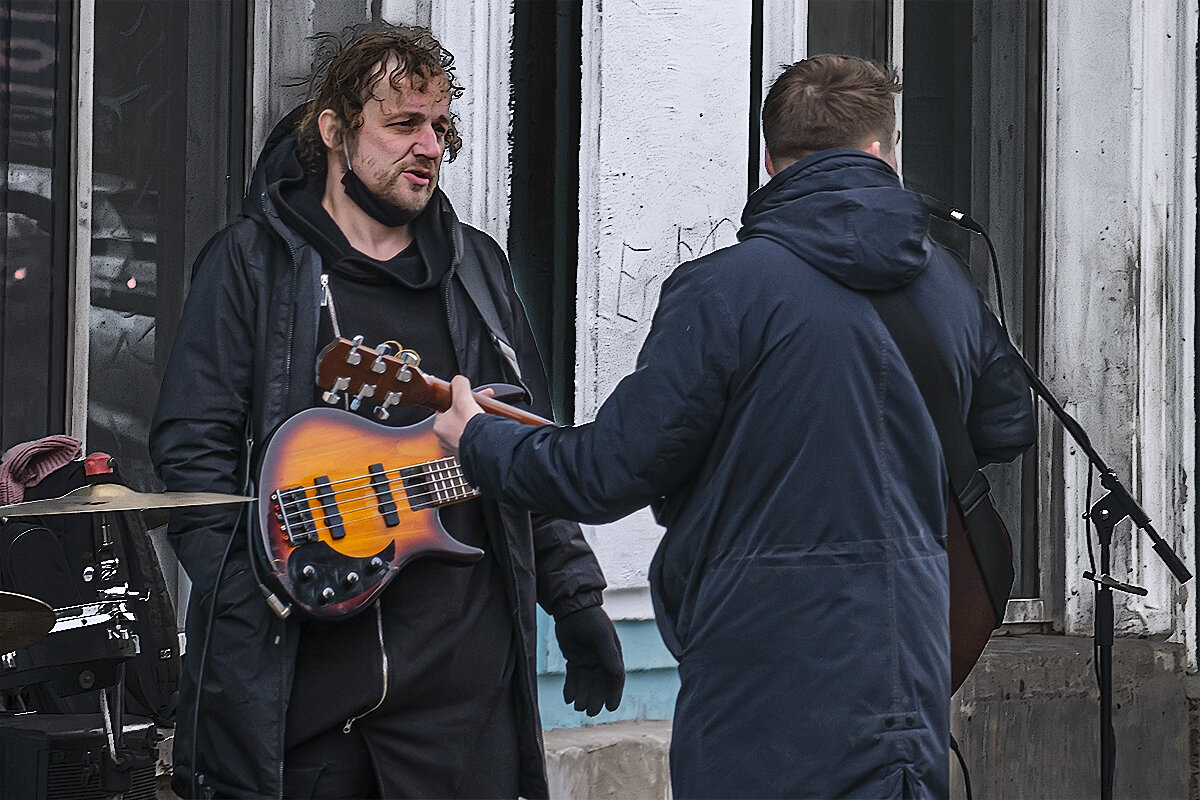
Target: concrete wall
[[1027, 720]]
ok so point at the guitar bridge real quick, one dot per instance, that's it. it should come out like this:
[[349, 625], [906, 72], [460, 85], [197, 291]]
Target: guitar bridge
[[295, 515]]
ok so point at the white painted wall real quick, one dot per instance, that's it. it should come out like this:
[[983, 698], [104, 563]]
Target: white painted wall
[[1119, 291], [663, 163], [479, 34]]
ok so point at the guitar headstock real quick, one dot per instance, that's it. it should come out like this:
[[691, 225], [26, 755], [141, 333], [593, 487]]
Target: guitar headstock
[[348, 368]]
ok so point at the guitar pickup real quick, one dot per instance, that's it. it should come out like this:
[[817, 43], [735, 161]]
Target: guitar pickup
[[383, 489], [329, 508]]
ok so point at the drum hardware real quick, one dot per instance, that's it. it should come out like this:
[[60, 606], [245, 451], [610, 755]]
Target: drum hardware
[[23, 620], [115, 497]]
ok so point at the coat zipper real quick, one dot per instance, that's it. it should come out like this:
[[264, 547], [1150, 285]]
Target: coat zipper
[[383, 668], [287, 390], [525, 649]]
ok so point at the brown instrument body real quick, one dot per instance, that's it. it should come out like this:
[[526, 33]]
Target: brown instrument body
[[972, 618]]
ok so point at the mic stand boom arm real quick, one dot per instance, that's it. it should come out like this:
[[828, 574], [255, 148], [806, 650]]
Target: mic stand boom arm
[[1122, 503], [1105, 513]]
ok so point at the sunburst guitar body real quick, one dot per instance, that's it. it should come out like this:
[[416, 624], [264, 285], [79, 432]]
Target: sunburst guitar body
[[343, 502]]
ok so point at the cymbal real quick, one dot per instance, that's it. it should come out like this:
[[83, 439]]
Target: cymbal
[[115, 497], [23, 620]]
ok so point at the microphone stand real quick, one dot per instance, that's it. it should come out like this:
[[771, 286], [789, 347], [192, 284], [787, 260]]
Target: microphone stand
[[1104, 514]]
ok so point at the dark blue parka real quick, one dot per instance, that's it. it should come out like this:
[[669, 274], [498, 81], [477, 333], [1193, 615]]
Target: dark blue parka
[[802, 582]]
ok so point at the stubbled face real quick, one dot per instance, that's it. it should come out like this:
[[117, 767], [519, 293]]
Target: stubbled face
[[397, 152]]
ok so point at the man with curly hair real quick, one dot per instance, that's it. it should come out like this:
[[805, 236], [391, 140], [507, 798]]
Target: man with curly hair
[[431, 690]]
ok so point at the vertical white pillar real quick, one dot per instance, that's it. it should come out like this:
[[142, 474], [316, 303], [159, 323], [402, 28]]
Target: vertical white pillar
[[80, 304], [663, 159], [1119, 306]]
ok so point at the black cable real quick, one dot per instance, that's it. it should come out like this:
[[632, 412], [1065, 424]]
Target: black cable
[[962, 764], [212, 605], [996, 275]]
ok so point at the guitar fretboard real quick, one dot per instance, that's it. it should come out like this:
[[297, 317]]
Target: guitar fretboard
[[436, 483]]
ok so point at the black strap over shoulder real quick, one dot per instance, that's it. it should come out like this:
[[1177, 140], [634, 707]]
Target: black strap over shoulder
[[470, 274], [988, 539]]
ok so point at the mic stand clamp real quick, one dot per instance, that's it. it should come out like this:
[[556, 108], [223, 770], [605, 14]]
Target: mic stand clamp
[[1105, 514]]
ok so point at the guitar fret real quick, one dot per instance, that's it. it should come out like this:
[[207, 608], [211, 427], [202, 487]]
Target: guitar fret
[[435, 483]]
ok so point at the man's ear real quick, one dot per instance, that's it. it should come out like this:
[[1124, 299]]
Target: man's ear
[[770, 165], [330, 126], [875, 148]]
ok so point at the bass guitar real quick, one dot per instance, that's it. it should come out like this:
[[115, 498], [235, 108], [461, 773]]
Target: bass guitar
[[344, 503]]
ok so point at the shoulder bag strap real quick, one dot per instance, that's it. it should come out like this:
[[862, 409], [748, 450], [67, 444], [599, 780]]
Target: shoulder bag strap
[[988, 539]]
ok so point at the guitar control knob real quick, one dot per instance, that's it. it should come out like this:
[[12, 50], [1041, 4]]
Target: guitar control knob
[[327, 594], [377, 563], [351, 578], [309, 572]]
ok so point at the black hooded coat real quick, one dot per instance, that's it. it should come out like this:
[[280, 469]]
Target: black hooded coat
[[241, 364], [802, 581]]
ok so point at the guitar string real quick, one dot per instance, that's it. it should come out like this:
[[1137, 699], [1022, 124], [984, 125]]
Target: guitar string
[[446, 485], [443, 468], [343, 502], [444, 463], [369, 511], [443, 476]]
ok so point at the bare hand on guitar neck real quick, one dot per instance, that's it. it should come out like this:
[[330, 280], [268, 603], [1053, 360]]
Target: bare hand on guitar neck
[[450, 424]]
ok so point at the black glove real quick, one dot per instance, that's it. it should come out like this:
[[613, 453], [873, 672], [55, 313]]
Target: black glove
[[595, 669]]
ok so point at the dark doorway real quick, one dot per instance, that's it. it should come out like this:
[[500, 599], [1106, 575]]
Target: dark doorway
[[543, 239]]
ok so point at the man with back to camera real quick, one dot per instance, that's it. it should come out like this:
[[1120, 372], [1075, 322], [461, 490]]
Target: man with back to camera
[[431, 691], [802, 581]]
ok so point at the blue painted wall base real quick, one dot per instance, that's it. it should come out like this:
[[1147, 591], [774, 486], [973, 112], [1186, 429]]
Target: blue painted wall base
[[651, 679]]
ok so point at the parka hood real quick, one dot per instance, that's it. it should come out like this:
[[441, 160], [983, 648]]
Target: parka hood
[[279, 178], [845, 213]]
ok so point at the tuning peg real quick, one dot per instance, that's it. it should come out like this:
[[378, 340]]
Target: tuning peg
[[354, 358], [381, 411], [384, 349], [334, 395], [408, 359], [366, 390]]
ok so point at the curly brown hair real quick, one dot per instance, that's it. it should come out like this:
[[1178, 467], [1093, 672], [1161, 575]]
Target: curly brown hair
[[346, 69], [829, 101]]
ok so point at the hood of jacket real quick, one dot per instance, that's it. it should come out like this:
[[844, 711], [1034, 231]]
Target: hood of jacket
[[279, 174], [845, 213]]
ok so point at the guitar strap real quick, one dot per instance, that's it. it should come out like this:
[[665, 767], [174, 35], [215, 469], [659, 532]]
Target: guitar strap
[[470, 275], [988, 539]]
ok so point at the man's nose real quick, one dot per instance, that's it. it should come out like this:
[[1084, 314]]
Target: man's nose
[[428, 143]]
